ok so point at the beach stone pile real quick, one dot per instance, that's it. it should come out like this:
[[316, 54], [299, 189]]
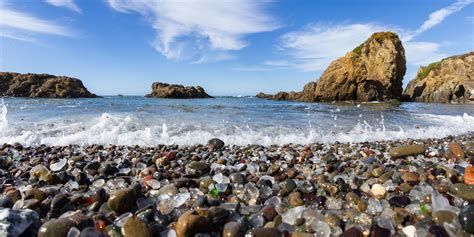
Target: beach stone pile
[[387, 188]]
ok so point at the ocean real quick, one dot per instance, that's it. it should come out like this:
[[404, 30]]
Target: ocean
[[134, 120]]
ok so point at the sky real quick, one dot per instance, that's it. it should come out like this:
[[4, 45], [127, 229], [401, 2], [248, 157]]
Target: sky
[[229, 47]]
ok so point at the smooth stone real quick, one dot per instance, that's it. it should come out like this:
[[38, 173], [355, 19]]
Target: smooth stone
[[233, 229], [405, 187], [237, 178], [197, 168], [295, 199], [19, 222], [377, 172], [407, 150], [36, 194], [269, 213], [59, 205], [352, 197], [361, 205], [456, 150], [438, 231], [266, 232], [216, 143], [136, 227], [409, 231], [466, 218], [352, 232], [469, 175], [81, 221], [411, 177], [190, 224], [377, 231], [464, 191], [6, 202], [56, 228], [58, 165], [399, 201], [442, 216], [217, 214], [123, 200], [332, 220], [288, 185], [378, 191]]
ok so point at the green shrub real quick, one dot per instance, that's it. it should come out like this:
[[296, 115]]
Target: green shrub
[[358, 50], [426, 70]]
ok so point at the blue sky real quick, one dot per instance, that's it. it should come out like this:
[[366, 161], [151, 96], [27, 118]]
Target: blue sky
[[230, 47]]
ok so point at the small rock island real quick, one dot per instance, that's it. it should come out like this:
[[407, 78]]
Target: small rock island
[[173, 91], [32, 85]]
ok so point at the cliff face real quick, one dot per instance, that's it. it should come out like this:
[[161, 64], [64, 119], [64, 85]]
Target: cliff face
[[42, 86], [450, 80], [373, 71], [163, 90]]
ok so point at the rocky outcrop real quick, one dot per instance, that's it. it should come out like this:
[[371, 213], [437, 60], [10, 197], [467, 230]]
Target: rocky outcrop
[[307, 95], [373, 71], [41, 86], [171, 91], [450, 80]]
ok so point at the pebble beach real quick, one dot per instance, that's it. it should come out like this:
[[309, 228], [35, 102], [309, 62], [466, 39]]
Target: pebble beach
[[386, 188]]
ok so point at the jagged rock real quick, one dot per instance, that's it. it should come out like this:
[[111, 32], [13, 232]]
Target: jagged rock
[[42, 86], [373, 71], [172, 91], [450, 80]]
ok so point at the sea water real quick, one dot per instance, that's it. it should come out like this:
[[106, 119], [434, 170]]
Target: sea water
[[133, 120]]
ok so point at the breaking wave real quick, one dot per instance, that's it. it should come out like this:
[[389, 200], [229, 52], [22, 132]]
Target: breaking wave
[[132, 129]]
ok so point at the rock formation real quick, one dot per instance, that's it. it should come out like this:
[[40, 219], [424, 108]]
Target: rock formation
[[373, 71], [450, 80], [41, 86], [171, 91]]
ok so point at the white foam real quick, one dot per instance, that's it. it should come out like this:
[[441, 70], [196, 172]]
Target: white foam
[[128, 129], [3, 117]]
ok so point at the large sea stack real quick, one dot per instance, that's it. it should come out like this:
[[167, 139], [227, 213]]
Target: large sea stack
[[42, 86], [373, 71], [450, 80], [172, 91]]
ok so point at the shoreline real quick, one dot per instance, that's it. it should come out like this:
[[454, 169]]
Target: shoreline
[[467, 135], [350, 189]]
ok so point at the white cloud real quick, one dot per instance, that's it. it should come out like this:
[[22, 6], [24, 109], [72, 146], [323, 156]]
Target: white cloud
[[315, 46], [438, 16], [422, 53], [14, 36], [15, 25], [69, 4], [200, 30]]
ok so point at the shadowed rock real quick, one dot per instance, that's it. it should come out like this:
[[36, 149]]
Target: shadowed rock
[[450, 80], [42, 86], [172, 91]]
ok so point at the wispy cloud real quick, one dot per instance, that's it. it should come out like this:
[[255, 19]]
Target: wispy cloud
[[438, 16], [200, 31], [69, 4], [422, 53], [17, 25]]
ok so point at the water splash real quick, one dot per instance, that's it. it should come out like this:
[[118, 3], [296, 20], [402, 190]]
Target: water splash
[[129, 130], [237, 121], [3, 118]]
